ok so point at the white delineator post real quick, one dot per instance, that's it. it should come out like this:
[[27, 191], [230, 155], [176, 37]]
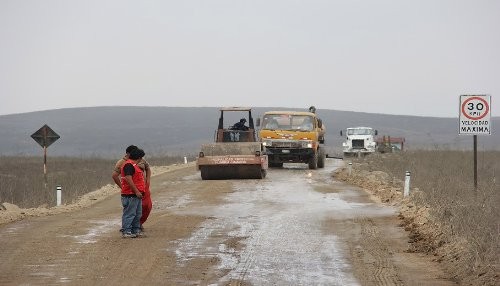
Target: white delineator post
[[185, 160], [59, 195], [350, 168], [407, 184]]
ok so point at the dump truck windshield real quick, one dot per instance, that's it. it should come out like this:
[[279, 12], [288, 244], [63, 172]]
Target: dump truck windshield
[[288, 122]]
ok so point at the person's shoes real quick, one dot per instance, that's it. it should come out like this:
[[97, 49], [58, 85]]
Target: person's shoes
[[140, 234], [129, 235]]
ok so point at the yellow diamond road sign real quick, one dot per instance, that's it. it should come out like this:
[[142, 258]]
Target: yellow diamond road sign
[[45, 136]]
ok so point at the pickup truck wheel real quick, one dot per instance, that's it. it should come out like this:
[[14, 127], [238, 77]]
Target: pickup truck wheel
[[313, 162]]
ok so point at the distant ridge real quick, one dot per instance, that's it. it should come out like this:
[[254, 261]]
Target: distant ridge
[[106, 131]]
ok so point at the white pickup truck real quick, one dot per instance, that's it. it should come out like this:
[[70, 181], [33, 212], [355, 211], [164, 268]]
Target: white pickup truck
[[359, 141]]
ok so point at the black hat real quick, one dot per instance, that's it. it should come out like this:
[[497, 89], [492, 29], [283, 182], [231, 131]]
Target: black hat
[[136, 154], [130, 148]]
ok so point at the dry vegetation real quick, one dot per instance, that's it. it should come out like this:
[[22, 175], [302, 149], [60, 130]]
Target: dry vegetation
[[446, 216], [22, 181]]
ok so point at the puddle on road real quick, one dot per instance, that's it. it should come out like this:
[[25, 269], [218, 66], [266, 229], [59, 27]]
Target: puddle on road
[[281, 220]]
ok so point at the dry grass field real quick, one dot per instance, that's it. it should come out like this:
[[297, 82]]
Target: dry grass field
[[467, 224], [23, 183]]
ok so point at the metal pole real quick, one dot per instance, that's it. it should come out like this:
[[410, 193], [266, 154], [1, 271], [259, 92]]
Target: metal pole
[[45, 165], [407, 184], [350, 168], [475, 162]]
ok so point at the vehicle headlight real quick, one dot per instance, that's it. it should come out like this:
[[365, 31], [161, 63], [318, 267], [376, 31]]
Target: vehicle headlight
[[307, 144], [267, 143]]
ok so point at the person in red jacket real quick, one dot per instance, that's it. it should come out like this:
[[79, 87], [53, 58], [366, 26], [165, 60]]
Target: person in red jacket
[[133, 187], [147, 203], [119, 164]]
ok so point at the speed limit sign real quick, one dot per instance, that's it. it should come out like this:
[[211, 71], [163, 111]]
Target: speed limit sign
[[475, 114]]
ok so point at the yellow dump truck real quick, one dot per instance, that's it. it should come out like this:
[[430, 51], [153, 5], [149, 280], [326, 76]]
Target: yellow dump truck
[[293, 137]]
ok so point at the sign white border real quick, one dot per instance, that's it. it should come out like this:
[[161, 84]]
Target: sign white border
[[474, 115]]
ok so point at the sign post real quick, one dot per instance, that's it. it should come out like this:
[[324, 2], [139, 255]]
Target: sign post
[[45, 136], [475, 119]]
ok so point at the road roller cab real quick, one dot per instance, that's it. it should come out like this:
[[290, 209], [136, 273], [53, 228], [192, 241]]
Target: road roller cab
[[235, 154]]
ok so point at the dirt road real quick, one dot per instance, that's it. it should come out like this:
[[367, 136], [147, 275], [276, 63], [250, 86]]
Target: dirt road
[[296, 227]]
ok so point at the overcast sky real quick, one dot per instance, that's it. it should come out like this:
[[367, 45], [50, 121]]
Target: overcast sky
[[385, 56]]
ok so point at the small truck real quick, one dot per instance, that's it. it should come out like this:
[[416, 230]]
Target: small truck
[[359, 141]]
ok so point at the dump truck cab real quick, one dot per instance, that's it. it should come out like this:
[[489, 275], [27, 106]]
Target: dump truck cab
[[293, 137]]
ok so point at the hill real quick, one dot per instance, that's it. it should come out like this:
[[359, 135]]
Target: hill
[[106, 131]]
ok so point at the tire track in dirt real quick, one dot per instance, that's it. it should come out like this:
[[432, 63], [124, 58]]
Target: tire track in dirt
[[242, 268], [378, 253], [384, 270]]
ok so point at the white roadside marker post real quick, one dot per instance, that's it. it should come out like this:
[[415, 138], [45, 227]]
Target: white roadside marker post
[[350, 168], [59, 195], [407, 184]]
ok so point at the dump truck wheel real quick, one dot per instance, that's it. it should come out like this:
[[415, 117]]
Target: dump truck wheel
[[321, 158], [313, 162]]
